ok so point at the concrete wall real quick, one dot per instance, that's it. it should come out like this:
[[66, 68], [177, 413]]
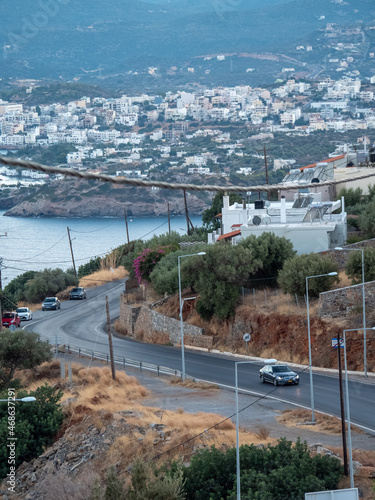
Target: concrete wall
[[143, 323]]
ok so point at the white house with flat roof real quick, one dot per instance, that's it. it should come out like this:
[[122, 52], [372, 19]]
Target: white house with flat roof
[[306, 221]]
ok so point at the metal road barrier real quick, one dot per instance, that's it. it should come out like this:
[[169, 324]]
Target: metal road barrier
[[124, 362]]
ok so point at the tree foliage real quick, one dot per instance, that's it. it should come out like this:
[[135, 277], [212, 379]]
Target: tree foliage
[[292, 278], [218, 276], [352, 196], [283, 472], [144, 264], [19, 350], [367, 219], [48, 283], [15, 289], [35, 425], [273, 252], [353, 266], [90, 267]]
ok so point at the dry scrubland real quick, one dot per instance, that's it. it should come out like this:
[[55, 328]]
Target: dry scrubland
[[127, 428], [93, 399]]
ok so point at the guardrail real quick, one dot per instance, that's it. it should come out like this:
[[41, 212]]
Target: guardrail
[[124, 362]]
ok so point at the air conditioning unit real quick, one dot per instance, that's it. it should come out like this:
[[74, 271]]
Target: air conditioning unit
[[262, 219]]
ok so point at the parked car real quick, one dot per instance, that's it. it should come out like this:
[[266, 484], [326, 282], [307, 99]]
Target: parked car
[[11, 318], [278, 375], [51, 303], [25, 314], [77, 293]]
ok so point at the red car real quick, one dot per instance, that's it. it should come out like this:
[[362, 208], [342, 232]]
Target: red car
[[11, 318]]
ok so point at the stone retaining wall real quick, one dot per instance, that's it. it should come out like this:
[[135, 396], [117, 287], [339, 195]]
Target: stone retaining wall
[[341, 256], [341, 302], [143, 323]]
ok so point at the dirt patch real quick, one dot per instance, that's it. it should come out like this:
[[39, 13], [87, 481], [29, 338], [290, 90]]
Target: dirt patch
[[324, 423]]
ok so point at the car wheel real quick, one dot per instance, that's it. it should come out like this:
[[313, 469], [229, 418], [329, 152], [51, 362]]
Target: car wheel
[[296, 383], [262, 379], [275, 382]]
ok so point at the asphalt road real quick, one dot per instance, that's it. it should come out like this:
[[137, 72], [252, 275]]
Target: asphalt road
[[81, 323]]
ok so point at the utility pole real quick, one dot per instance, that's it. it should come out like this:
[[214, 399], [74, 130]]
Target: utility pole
[[187, 214], [126, 224], [265, 164], [169, 220], [110, 339], [1, 314], [71, 251], [343, 431]]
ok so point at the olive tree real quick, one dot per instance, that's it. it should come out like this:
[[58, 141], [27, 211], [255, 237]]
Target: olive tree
[[292, 278]]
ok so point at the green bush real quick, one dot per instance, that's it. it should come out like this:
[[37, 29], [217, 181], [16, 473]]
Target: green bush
[[35, 425], [218, 277], [48, 283], [292, 278], [273, 252], [15, 289], [353, 266], [284, 472], [19, 350], [367, 219], [90, 267], [352, 196]]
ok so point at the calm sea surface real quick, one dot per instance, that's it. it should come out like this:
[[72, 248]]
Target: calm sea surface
[[34, 244]]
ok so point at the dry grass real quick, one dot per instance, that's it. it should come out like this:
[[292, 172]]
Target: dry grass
[[324, 423], [120, 328], [103, 276], [193, 384], [263, 432]]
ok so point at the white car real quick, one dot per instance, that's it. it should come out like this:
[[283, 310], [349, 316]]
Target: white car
[[25, 314]]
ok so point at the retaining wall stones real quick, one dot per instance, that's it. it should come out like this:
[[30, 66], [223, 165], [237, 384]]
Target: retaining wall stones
[[143, 323], [341, 302]]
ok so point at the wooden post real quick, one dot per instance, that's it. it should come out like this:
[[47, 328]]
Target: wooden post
[[126, 224], [187, 214], [71, 251], [110, 339]]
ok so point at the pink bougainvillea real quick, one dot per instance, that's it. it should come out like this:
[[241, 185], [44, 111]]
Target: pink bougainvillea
[[144, 264]]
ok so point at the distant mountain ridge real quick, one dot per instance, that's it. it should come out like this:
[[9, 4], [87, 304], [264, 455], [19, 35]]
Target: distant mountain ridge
[[71, 37]]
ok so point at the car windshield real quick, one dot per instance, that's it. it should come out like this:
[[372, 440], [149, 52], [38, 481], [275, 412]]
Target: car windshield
[[280, 369], [22, 310], [8, 315], [76, 289], [50, 299]]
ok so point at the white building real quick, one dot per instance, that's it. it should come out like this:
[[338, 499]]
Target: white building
[[307, 222]]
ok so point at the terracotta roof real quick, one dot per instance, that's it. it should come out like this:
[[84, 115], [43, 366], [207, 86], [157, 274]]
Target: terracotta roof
[[236, 225], [329, 160], [228, 236], [218, 215]]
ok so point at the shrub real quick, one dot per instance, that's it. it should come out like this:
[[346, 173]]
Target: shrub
[[144, 264], [48, 283], [353, 266], [281, 472], [292, 278], [36, 425], [20, 350]]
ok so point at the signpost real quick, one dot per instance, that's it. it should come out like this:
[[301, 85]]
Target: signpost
[[335, 343], [246, 338]]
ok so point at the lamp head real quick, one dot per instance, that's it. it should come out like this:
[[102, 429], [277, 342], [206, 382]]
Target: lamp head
[[332, 274], [201, 253], [339, 248], [270, 361], [28, 399]]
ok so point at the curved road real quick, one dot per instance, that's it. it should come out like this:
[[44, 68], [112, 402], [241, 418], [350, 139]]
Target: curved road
[[81, 323]]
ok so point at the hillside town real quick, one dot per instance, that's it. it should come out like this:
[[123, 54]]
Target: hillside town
[[195, 133]]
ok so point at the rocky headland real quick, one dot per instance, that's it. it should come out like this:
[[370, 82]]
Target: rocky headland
[[72, 198]]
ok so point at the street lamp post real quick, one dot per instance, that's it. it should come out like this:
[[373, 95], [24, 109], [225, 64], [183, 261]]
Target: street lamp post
[[363, 305], [27, 399], [309, 340], [266, 362], [348, 406], [181, 304]]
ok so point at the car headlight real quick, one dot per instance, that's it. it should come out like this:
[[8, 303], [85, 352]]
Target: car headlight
[[296, 377], [279, 378]]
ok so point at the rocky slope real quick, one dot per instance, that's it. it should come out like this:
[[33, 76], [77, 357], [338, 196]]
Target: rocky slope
[[73, 198]]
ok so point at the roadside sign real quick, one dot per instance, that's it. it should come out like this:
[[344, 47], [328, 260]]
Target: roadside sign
[[335, 343], [347, 494], [247, 337]]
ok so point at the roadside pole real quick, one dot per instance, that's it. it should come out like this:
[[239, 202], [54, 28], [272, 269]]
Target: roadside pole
[[126, 224], [110, 339], [343, 431]]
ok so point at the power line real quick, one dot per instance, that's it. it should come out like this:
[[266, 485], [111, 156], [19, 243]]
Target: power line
[[161, 184]]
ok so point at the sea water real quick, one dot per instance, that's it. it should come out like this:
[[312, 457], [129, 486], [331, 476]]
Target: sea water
[[39, 243]]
